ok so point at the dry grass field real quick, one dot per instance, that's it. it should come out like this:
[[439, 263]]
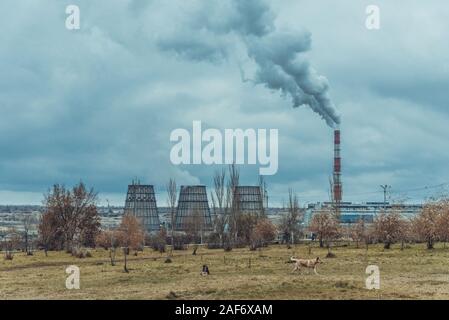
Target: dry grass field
[[413, 273]]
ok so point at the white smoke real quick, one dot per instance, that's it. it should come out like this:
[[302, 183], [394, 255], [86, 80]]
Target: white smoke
[[281, 62]]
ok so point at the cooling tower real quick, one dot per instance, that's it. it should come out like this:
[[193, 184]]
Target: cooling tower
[[249, 199], [141, 203], [193, 207]]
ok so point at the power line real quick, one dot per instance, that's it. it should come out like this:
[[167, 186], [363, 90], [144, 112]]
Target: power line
[[424, 188], [161, 190]]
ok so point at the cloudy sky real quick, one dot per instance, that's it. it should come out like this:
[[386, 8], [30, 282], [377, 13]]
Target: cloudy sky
[[98, 104]]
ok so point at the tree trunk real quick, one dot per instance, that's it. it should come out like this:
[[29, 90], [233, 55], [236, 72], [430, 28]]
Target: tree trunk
[[430, 244], [172, 228], [387, 245], [112, 256], [321, 243], [26, 242], [125, 251]]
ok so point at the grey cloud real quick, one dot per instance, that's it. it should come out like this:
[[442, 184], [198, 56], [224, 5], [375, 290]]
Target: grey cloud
[[99, 104], [251, 17], [197, 46]]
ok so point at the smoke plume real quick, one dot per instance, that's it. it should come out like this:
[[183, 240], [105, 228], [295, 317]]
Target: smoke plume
[[279, 55]]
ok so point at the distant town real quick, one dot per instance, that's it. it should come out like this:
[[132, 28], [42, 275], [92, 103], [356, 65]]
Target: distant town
[[11, 216]]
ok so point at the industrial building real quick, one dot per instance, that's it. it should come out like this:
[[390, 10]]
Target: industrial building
[[141, 203], [193, 203], [353, 212]]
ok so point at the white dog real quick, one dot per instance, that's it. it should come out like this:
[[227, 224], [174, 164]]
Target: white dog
[[308, 263]]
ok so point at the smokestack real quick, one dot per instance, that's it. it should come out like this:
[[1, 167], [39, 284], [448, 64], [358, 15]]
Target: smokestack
[[337, 192]]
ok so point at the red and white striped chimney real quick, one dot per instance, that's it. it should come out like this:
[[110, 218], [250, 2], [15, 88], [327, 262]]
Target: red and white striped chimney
[[337, 192]]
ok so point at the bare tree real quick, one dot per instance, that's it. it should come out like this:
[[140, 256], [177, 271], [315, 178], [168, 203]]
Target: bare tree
[[171, 200], [406, 234], [214, 209], [28, 223], [431, 223], [290, 224], [358, 232], [263, 194], [220, 218], [109, 240], [233, 182], [11, 242], [73, 215], [214, 205], [158, 242], [443, 222], [326, 226], [47, 230], [130, 235], [219, 188], [387, 227], [114, 244], [264, 232], [246, 222], [102, 240]]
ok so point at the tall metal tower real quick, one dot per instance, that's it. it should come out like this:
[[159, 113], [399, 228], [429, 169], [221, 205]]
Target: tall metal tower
[[141, 203]]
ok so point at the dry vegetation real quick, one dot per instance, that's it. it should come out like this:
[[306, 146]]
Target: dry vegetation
[[71, 224], [412, 273]]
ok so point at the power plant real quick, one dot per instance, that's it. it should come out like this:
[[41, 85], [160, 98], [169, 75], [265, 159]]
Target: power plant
[[193, 204], [141, 203]]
